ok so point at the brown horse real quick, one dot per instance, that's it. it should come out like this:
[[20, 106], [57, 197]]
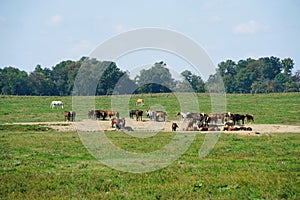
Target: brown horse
[[160, 114], [118, 123], [69, 115], [139, 115], [111, 113], [97, 114]]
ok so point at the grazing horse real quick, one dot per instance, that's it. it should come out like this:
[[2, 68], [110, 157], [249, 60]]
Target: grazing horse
[[249, 118], [160, 114], [118, 123], [53, 104], [183, 115], [139, 102], [139, 115], [111, 113], [100, 114]]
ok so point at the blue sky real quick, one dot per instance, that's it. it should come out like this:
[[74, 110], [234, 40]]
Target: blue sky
[[47, 32]]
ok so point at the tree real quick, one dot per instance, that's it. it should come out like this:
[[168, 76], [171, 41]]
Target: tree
[[13, 81], [63, 76], [227, 70], [156, 79], [195, 81], [110, 77], [270, 67], [287, 66]]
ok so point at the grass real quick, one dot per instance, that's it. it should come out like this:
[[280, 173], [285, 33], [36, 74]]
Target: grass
[[50, 165], [39, 163], [275, 108]]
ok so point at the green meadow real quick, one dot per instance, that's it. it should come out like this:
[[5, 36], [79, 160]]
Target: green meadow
[[275, 108], [39, 163]]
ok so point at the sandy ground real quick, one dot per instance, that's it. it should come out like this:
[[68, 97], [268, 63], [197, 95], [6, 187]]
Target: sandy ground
[[151, 126]]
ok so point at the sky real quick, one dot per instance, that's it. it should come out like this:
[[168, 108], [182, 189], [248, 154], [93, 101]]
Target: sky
[[47, 32]]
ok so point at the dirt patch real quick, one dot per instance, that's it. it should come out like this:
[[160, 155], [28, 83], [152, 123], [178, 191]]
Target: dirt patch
[[147, 125]]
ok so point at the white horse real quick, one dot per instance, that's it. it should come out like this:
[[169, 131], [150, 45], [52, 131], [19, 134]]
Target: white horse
[[151, 114], [56, 103]]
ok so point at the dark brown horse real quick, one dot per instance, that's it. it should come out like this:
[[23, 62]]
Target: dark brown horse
[[132, 113], [236, 118], [174, 126], [139, 115], [249, 118], [97, 114]]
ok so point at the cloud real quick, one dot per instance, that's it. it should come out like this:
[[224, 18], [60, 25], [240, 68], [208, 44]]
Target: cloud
[[250, 27], [55, 20]]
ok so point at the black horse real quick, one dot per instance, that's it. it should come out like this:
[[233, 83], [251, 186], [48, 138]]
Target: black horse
[[237, 117], [139, 115], [132, 113]]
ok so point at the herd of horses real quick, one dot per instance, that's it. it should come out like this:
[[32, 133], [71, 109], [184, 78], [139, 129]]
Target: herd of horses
[[209, 122], [195, 121]]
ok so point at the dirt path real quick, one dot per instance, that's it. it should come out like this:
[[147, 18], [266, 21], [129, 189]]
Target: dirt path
[[147, 125]]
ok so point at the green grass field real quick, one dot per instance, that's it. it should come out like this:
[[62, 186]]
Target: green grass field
[[39, 163], [50, 165], [282, 108]]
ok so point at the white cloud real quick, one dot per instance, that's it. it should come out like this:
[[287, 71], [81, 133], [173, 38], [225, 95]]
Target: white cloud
[[55, 20], [250, 27]]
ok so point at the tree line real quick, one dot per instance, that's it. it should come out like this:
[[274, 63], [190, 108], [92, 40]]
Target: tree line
[[93, 77]]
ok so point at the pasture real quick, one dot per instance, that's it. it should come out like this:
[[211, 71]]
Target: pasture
[[275, 108], [40, 163]]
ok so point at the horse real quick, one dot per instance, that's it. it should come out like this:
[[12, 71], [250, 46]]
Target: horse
[[150, 114], [160, 114], [236, 118], [184, 116], [212, 118], [174, 126], [100, 114], [53, 104], [91, 114], [131, 113], [139, 115], [69, 115], [139, 102], [118, 123], [249, 118], [111, 113], [189, 115]]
